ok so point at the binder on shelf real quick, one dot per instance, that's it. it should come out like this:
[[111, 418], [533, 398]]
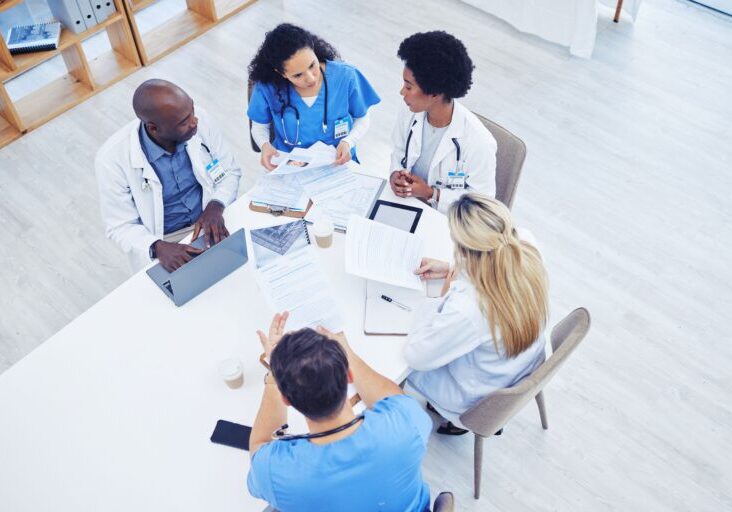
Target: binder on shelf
[[103, 9], [68, 13], [87, 12]]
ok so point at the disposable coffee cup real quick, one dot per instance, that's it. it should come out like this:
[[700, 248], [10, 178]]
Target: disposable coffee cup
[[232, 372], [323, 231]]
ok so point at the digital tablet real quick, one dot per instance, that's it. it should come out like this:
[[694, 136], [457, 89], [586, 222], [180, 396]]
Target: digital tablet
[[396, 215]]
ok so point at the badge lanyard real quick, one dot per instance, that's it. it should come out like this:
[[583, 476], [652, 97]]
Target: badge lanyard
[[297, 115]]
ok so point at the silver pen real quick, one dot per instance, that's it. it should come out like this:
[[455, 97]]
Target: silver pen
[[396, 303]]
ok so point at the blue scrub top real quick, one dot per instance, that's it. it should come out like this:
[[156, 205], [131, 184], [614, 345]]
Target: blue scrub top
[[349, 96], [378, 467]]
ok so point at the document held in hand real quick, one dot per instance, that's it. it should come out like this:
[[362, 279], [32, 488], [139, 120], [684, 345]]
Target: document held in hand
[[383, 253]]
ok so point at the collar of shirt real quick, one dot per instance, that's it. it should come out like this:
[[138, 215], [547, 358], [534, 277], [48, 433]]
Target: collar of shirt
[[151, 148]]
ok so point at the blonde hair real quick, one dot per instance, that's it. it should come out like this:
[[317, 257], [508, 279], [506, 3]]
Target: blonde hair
[[507, 273]]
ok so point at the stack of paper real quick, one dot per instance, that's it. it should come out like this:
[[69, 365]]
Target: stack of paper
[[289, 275], [383, 253]]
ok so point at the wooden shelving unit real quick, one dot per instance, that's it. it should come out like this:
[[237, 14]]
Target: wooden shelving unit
[[84, 77], [199, 16], [129, 50]]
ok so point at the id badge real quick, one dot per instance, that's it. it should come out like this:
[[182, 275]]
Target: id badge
[[341, 128], [456, 179], [216, 171]]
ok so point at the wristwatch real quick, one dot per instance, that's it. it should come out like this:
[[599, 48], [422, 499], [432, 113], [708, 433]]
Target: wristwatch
[[432, 201], [151, 251]]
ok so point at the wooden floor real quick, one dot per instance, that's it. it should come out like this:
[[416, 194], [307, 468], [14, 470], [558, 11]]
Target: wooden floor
[[627, 185]]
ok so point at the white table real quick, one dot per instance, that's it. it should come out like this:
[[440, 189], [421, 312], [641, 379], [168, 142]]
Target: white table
[[115, 411], [571, 23]]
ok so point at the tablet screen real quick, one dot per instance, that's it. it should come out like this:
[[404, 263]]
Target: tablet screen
[[396, 215]]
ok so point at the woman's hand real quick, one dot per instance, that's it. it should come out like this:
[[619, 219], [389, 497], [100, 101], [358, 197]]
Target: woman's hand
[[268, 151], [448, 279], [343, 153], [433, 269], [276, 331]]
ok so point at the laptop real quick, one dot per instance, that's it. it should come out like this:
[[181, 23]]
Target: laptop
[[202, 272]]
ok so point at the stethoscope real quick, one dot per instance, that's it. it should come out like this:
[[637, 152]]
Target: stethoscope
[[282, 435], [409, 139], [297, 114], [146, 182]]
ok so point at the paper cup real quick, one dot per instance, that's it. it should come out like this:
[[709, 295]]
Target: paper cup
[[232, 372], [323, 232]]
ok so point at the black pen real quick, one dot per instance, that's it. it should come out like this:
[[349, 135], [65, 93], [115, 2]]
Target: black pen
[[396, 303]]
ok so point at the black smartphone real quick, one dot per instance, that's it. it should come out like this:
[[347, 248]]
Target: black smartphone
[[231, 434]]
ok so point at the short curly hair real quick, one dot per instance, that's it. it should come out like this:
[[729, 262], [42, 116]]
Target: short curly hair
[[281, 43], [439, 62]]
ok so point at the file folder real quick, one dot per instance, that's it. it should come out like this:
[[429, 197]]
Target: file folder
[[87, 12], [68, 13], [103, 9]]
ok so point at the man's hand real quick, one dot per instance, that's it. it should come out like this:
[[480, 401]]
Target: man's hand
[[276, 331], [343, 153], [212, 223], [432, 269], [173, 256], [268, 151], [338, 337], [420, 188]]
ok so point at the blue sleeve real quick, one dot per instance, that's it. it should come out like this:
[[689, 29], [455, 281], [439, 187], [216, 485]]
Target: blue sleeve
[[409, 411], [361, 95], [259, 480], [258, 110]]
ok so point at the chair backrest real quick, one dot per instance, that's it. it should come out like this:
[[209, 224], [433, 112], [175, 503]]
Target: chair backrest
[[445, 502], [494, 411], [250, 88], [510, 157]]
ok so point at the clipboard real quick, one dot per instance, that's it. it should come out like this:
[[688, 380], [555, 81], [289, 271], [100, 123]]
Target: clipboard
[[385, 318], [280, 211]]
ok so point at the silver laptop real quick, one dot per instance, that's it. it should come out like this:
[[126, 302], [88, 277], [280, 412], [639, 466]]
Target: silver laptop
[[203, 271]]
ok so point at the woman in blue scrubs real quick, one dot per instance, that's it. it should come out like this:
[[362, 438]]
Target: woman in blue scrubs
[[307, 95]]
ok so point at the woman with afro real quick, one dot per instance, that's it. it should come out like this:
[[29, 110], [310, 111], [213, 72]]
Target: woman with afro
[[440, 149]]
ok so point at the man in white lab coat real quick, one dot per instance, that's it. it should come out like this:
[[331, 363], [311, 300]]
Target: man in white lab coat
[[165, 175]]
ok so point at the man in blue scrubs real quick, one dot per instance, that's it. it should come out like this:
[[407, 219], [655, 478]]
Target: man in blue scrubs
[[345, 462]]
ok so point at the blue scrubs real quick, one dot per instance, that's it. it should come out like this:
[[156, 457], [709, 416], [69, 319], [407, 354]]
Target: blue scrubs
[[349, 96]]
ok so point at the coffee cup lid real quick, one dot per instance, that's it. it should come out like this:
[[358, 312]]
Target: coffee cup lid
[[323, 227], [230, 368]]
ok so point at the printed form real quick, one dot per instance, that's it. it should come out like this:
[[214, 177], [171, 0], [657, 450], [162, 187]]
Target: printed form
[[383, 253]]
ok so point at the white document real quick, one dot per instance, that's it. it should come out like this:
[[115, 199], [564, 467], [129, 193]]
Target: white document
[[358, 202], [280, 190], [291, 279], [301, 159], [326, 183], [383, 253]]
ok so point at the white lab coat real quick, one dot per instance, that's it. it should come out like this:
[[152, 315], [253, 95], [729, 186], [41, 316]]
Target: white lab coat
[[477, 152], [456, 361], [132, 211]]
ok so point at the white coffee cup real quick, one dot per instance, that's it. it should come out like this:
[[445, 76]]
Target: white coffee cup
[[232, 372], [323, 232]]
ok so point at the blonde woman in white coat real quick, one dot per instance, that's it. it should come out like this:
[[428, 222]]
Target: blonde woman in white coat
[[440, 148], [486, 331]]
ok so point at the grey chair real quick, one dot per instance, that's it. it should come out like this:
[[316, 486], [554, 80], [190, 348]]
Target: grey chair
[[495, 410], [510, 157], [250, 88], [445, 502]]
